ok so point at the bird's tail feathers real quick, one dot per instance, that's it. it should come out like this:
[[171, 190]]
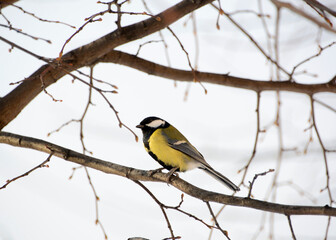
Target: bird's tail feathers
[[220, 177]]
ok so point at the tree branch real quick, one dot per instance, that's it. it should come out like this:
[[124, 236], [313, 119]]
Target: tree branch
[[141, 175], [220, 79], [13, 103]]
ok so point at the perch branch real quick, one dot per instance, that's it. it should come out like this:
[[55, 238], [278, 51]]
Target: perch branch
[[141, 175]]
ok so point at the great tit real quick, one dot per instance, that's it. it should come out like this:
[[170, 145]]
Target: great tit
[[173, 151]]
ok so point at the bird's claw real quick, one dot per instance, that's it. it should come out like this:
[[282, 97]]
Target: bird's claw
[[171, 173], [152, 172]]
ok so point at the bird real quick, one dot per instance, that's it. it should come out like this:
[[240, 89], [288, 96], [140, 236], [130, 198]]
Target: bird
[[173, 151]]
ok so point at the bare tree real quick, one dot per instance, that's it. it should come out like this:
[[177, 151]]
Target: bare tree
[[268, 44]]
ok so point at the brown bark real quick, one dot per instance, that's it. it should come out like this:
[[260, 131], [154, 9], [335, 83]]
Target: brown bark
[[5, 3]]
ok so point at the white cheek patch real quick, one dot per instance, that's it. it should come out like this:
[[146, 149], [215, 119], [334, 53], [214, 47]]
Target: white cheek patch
[[156, 123], [179, 142]]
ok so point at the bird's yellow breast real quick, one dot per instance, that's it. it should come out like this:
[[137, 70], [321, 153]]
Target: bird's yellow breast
[[169, 156]]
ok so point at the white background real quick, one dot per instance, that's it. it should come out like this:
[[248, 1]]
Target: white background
[[221, 124]]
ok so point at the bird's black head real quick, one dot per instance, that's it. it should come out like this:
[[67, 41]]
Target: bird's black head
[[149, 125]]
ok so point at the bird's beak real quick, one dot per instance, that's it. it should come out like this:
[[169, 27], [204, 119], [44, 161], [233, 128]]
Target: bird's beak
[[139, 126]]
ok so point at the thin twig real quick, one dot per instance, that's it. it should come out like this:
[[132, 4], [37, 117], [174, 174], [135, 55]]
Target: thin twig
[[161, 207], [97, 221], [99, 81], [145, 43], [291, 227], [220, 12], [63, 125], [331, 201], [47, 60], [277, 122], [81, 120], [320, 8], [161, 36], [260, 15], [197, 50], [91, 20], [101, 92], [261, 226], [189, 62], [299, 190], [252, 40], [45, 71], [310, 128], [324, 152], [255, 178], [325, 105], [84, 150], [74, 169], [119, 14], [10, 27], [327, 229], [267, 31], [27, 173], [300, 12], [225, 233], [177, 208], [41, 19], [245, 168], [321, 49]]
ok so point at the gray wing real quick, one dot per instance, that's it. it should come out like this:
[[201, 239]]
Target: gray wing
[[188, 149], [185, 147]]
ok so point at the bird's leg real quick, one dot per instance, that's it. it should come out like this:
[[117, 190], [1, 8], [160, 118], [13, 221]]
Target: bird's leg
[[152, 172], [170, 173]]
